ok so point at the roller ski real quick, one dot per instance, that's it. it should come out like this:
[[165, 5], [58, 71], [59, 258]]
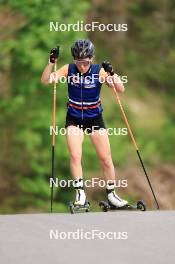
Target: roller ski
[[74, 208], [81, 204], [107, 206], [114, 202]]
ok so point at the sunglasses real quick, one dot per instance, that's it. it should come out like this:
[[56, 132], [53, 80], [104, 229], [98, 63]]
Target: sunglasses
[[84, 63]]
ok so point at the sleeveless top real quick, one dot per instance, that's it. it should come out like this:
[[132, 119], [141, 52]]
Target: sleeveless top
[[84, 92]]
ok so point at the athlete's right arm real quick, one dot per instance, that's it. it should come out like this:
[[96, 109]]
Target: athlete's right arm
[[49, 77], [45, 78]]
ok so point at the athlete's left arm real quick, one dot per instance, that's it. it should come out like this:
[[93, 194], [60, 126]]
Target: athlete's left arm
[[113, 81]]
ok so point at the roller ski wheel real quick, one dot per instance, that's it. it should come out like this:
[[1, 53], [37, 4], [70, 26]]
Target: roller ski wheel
[[79, 208], [104, 206], [107, 206], [141, 205]]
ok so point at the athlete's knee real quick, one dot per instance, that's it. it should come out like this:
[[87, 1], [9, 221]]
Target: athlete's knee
[[106, 161], [75, 157]]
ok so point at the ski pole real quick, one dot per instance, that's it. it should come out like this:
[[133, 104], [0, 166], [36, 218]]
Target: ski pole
[[131, 134], [53, 134]]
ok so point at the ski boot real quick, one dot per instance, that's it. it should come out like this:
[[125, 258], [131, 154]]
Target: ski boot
[[81, 204]]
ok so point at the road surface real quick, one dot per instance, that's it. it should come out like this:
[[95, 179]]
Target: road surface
[[114, 237]]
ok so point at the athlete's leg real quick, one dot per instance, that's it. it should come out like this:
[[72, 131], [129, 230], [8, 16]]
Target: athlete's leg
[[102, 146], [75, 137]]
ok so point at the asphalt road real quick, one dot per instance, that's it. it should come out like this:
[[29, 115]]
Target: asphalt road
[[135, 237]]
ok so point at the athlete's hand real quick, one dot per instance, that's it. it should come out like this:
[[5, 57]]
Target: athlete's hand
[[54, 53], [108, 67]]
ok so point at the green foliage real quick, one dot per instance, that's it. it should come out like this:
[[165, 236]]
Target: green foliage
[[27, 108], [145, 54]]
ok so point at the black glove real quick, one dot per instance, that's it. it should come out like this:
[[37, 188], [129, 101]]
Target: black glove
[[108, 67], [54, 54]]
